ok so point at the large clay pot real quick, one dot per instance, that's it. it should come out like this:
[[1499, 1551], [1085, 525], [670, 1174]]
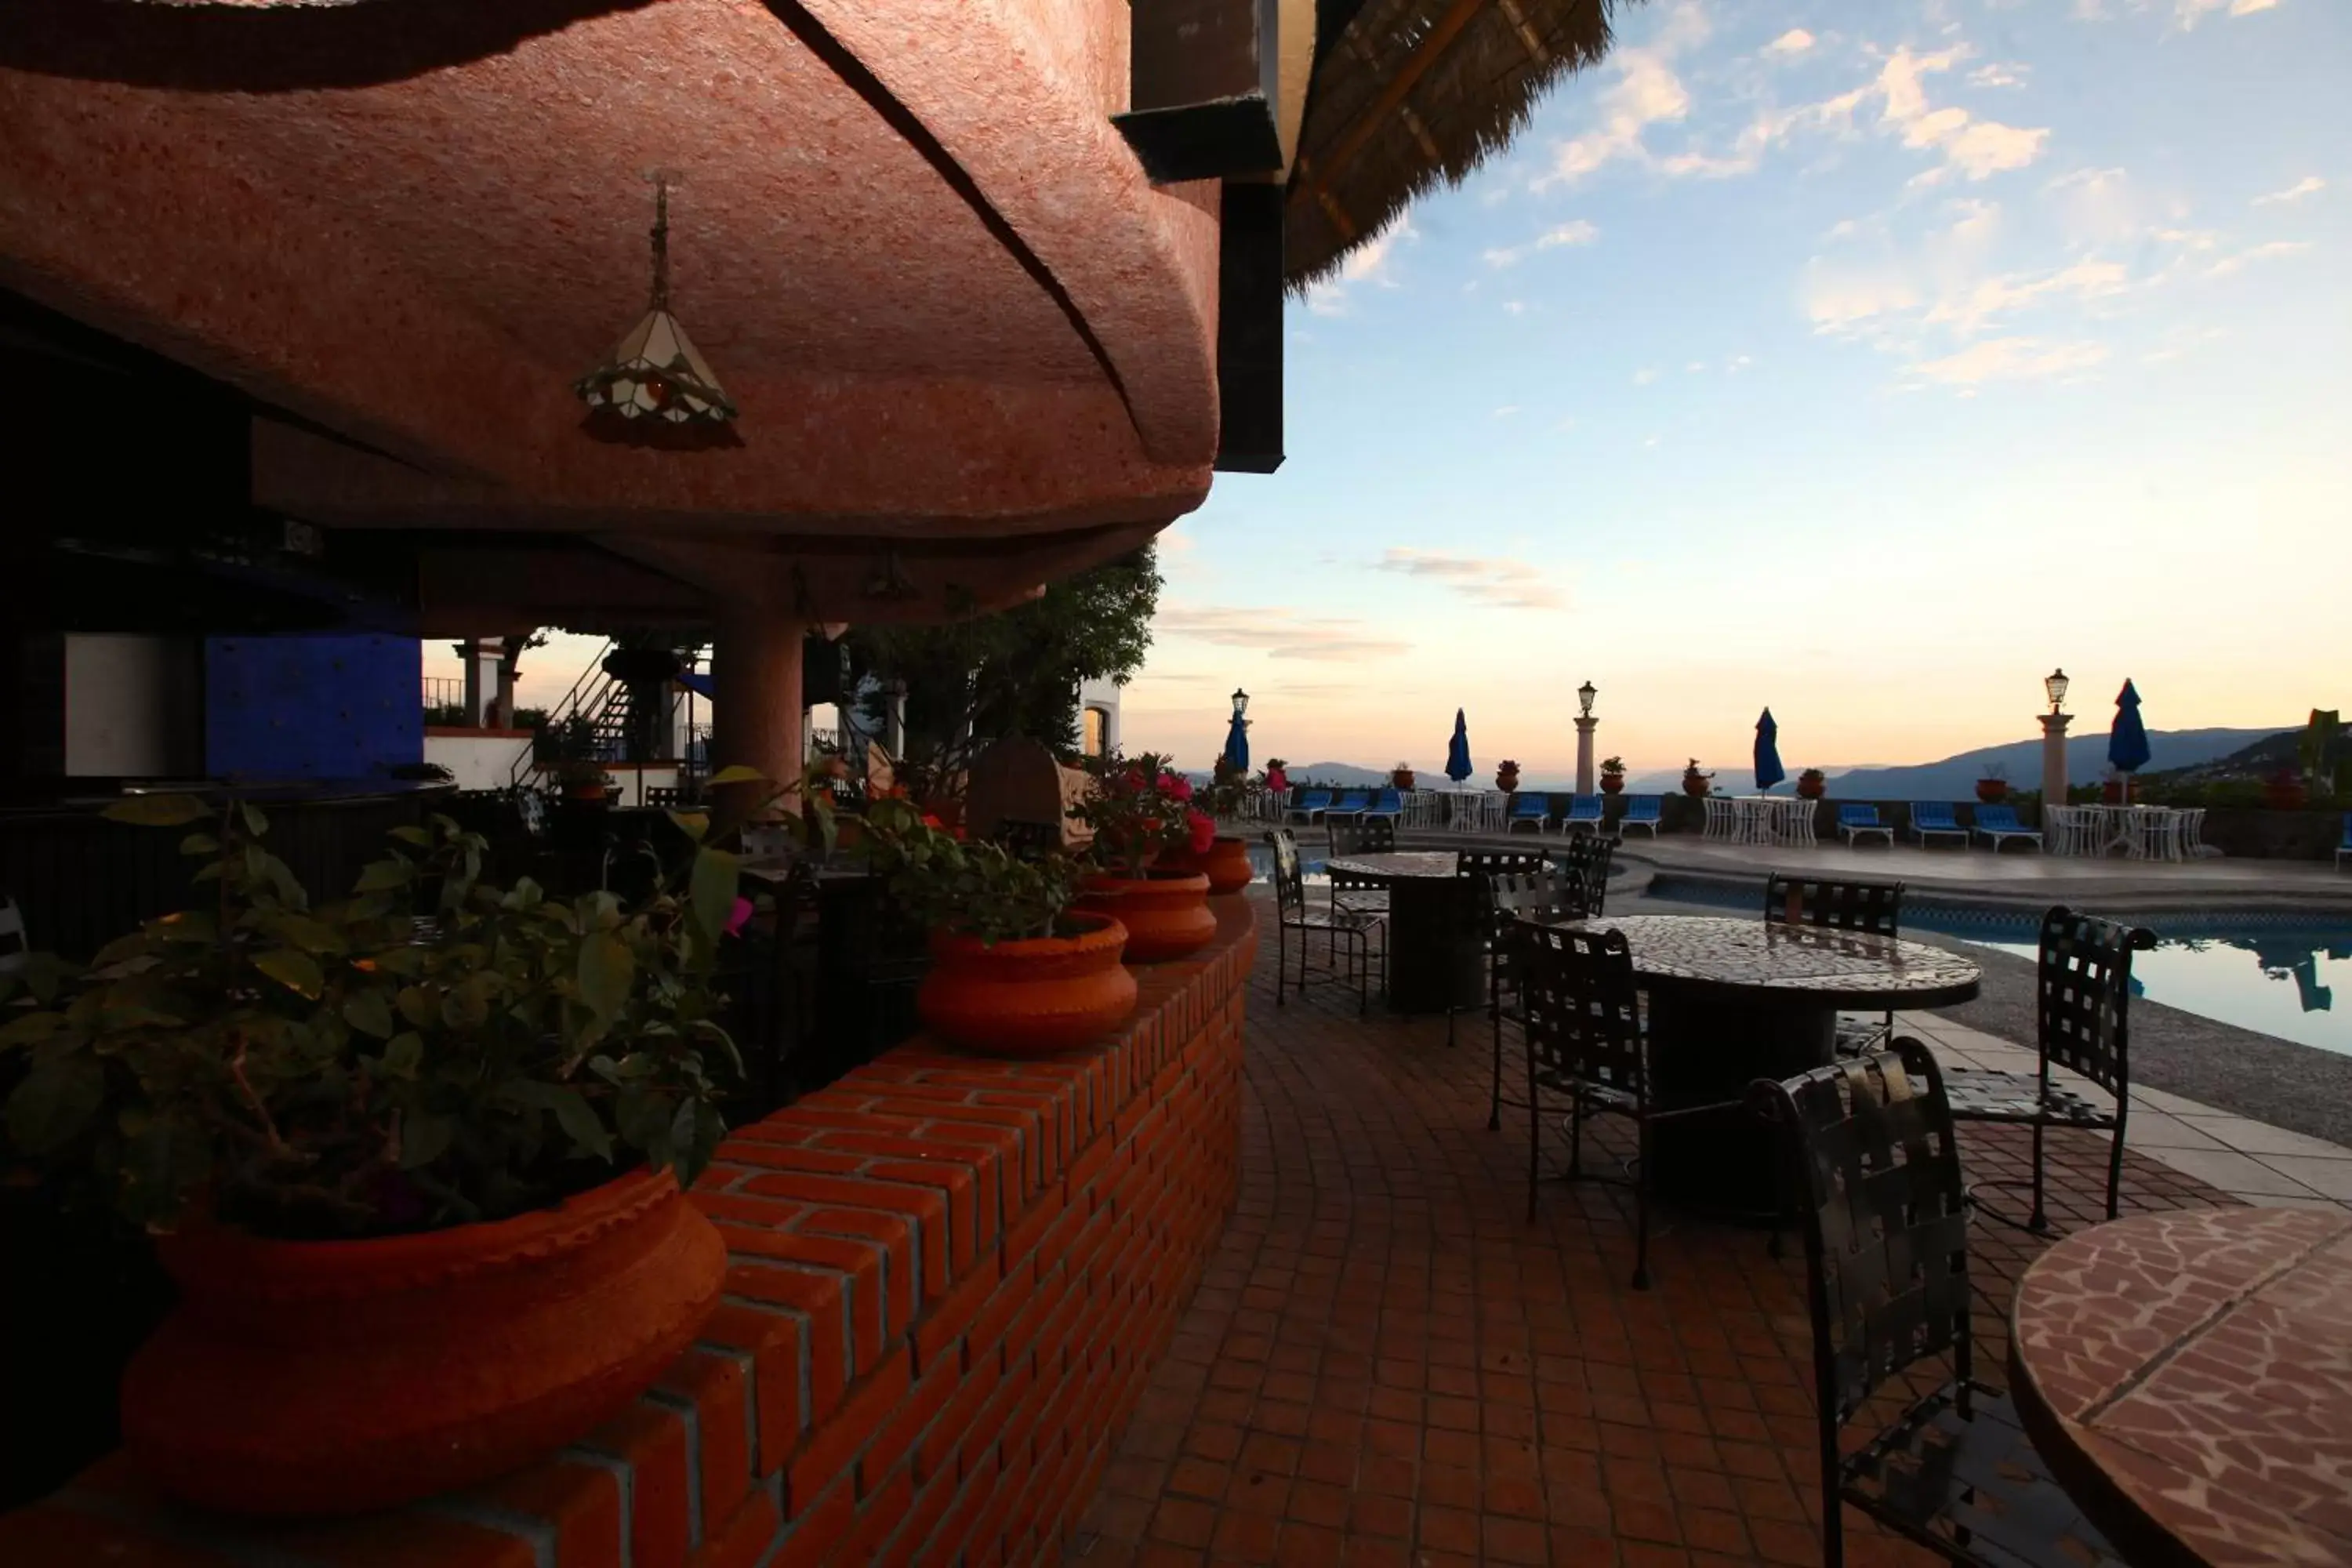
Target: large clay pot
[[1028, 998], [1166, 913], [1613, 784], [325, 1377], [1226, 865], [1812, 789], [1992, 792], [1694, 786], [1508, 782]]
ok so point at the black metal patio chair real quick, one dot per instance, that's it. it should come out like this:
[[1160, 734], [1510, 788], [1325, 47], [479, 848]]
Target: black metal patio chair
[[1588, 858], [1581, 1018], [1500, 862], [1867, 1146], [1545, 896], [1360, 836], [1834, 904], [1292, 912], [2082, 1018]]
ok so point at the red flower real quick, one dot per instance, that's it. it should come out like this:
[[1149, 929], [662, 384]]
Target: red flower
[[1175, 786], [1204, 833]]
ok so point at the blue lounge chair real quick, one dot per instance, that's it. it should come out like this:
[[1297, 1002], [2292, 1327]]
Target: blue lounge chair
[[1931, 817], [1855, 821], [2344, 850], [2000, 824], [1308, 805], [1389, 803], [1583, 811], [1531, 806], [1351, 803], [1641, 811]]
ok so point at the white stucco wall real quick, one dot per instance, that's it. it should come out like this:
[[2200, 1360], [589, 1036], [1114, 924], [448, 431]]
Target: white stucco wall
[[478, 761], [1103, 695], [131, 707]]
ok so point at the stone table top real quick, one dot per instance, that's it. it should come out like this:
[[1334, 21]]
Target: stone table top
[[2188, 1376], [1401, 863], [1803, 965]]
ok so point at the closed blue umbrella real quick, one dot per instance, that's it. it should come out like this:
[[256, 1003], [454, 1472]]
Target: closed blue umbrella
[[1457, 752], [1768, 753], [2127, 737], [1237, 745]]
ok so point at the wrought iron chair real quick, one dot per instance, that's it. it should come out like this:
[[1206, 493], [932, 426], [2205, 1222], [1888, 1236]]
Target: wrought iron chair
[[2083, 982], [1544, 896], [1360, 836], [1581, 1018], [1294, 913], [1588, 860], [1500, 862], [1875, 908], [1869, 1152]]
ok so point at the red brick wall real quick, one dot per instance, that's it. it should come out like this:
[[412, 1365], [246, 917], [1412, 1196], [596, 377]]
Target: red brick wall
[[949, 1280]]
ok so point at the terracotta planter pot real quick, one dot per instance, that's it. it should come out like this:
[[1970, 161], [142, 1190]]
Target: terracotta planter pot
[[1226, 865], [1166, 913], [1029, 998], [334, 1377], [1694, 788], [1401, 778], [1613, 784], [1992, 792], [587, 793], [1507, 783], [1811, 789]]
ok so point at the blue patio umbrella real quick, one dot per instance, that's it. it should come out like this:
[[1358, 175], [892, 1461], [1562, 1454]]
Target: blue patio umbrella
[[1237, 744], [2127, 737], [1768, 753], [1457, 752]]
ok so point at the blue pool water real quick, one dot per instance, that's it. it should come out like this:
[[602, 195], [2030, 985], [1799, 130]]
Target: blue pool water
[[2280, 980]]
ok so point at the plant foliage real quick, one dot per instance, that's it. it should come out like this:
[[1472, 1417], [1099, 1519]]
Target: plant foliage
[[430, 1051], [1139, 808], [969, 887]]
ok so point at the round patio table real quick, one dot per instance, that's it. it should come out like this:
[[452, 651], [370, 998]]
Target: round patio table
[[1735, 1000], [2188, 1378], [1434, 961]]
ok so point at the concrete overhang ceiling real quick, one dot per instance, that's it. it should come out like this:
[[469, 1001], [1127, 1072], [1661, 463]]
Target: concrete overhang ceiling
[[946, 300]]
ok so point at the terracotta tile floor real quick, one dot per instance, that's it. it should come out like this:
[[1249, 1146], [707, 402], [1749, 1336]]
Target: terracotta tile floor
[[1387, 1363]]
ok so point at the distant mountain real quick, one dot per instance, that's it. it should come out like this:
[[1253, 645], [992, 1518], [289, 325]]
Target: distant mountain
[[2086, 764], [2271, 755]]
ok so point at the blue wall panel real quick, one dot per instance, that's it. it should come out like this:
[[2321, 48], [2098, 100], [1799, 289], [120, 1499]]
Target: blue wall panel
[[311, 707]]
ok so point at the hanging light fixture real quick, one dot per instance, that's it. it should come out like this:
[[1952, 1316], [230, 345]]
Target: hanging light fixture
[[655, 372]]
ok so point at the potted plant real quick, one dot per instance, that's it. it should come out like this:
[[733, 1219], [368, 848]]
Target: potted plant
[[566, 753], [1277, 775], [2285, 791], [1225, 862], [1993, 788], [1400, 776], [1139, 810], [419, 1180], [1507, 777], [1613, 775], [1694, 782], [1016, 972], [1812, 784]]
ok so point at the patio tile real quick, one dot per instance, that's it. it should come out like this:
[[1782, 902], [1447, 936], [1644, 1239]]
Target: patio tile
[[1388, 1364], [2263, 1141], [2330, 1178]]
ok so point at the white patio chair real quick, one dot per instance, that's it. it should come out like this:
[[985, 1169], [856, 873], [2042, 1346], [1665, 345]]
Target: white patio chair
[[1802, 826], [1722, 818], [2192, 836]]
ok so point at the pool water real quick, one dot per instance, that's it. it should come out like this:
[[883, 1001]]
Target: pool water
[[2283, 980]]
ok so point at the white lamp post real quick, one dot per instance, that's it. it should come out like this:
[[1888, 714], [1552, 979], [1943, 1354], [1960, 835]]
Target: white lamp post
[[2053, 744], [1585, 724]]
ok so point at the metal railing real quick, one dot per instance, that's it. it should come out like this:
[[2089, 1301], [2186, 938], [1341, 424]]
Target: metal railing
[[445, 691]]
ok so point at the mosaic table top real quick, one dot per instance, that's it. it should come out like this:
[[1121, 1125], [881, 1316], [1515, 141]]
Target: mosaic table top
[[1825, 968], [1402, 863], [2190, 1375]]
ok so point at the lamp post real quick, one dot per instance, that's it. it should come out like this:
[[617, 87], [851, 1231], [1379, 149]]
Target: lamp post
[[1585, 724], [1241, 719], [2053, 744]]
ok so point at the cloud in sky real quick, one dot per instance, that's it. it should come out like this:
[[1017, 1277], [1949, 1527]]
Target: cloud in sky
[[1368, 263], [1978, 149], [2011, 359], [1795, 41], [2275, 250], [1576, 232], [2187, 13], [1502, 582], [2309, 185], [1278, 633]]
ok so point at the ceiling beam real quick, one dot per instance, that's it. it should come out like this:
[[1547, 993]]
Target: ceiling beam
[[1400, 86]]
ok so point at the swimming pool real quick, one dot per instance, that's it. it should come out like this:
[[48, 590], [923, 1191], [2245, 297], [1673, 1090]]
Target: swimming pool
[[2277, 979]]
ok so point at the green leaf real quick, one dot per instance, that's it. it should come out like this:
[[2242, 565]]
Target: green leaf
[[199, 844], [311, 936], [423, 1137], [255, 823], [580, 1123], [158, 811], [30, 1028], [369, 1012], [737, 774], [415, 836], [417, 1003], [55, 1102], [382, 876], [606, 970], [693, 824], [404, 1054], [294, 969], [712, 886]]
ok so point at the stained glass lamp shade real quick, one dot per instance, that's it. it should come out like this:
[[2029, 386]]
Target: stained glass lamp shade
[[655, 372]]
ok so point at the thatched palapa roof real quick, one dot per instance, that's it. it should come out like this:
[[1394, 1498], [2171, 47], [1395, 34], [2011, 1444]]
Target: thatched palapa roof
[[1409, 91]]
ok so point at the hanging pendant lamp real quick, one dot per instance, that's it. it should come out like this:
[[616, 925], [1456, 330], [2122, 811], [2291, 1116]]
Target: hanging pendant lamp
[[655, 371]]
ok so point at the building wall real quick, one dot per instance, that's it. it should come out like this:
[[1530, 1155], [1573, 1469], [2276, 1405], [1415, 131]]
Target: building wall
[[134, 707], [1101, 696], [478, 759], [311, 707]]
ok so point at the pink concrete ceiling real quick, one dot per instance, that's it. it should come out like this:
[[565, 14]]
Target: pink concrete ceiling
[[908, 240]]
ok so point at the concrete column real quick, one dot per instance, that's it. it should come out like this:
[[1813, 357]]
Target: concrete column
[[755, 714], [1585, 725], [2053, 760], [894, 719], [502, 705]]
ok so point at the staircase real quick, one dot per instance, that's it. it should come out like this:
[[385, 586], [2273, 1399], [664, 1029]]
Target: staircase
[[605, 702]]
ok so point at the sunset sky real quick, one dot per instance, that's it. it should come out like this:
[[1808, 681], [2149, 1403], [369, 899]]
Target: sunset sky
[[1865, 361], [1861, 361]]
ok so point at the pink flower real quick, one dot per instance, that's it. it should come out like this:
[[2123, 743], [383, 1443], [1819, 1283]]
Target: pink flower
[[1204, 833], [737, 916], [1176, 786]]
